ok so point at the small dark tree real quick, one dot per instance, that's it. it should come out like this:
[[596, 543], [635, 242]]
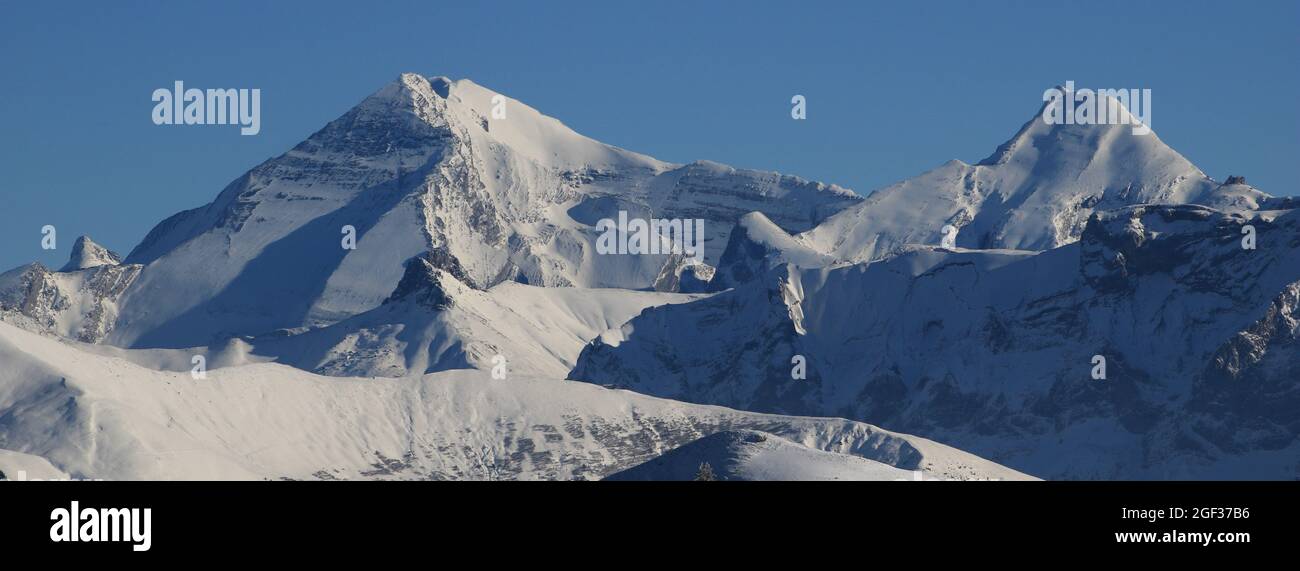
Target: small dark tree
[[3, 476], [705, 474]]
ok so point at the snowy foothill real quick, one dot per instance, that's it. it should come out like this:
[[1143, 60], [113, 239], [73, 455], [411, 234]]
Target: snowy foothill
[[69, 412]]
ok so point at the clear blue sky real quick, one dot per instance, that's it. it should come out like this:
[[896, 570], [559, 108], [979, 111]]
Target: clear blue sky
[[893, 88]]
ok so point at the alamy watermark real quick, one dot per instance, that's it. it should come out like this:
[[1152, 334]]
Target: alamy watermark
[[87, 524], [1068, 106], [653, 236], [181, 106]]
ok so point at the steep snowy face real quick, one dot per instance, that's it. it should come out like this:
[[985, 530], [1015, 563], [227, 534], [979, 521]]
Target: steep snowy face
[[70, 412], [994, 351], [735, 347], [757, 245], [1035, 192], [427, 164]]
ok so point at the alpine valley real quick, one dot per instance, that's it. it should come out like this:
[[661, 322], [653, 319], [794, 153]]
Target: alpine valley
[[476, 331]]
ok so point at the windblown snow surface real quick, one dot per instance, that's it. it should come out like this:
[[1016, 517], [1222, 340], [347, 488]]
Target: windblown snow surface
[[92, 416]]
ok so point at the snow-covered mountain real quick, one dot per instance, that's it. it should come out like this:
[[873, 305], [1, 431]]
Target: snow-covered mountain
[[428, 164], [80, 301], [68, 412], [992, 350], [475, 221], [1035, 192]]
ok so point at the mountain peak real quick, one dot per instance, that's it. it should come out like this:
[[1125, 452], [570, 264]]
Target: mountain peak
[[1036, 191], [487, 118], [87, 254], [423, 281], [405, 88], [436, 85], [429, 163], [1108, 151], [1110, 122]]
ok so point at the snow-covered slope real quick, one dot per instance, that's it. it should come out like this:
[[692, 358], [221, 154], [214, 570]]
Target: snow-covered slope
[[16, 466], [92, 416], [750, 455], [424, 165], [434, 322], [1034, 193], [992, 350]]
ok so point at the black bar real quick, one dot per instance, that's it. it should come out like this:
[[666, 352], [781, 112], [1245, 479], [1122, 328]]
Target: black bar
[[236, 519]]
